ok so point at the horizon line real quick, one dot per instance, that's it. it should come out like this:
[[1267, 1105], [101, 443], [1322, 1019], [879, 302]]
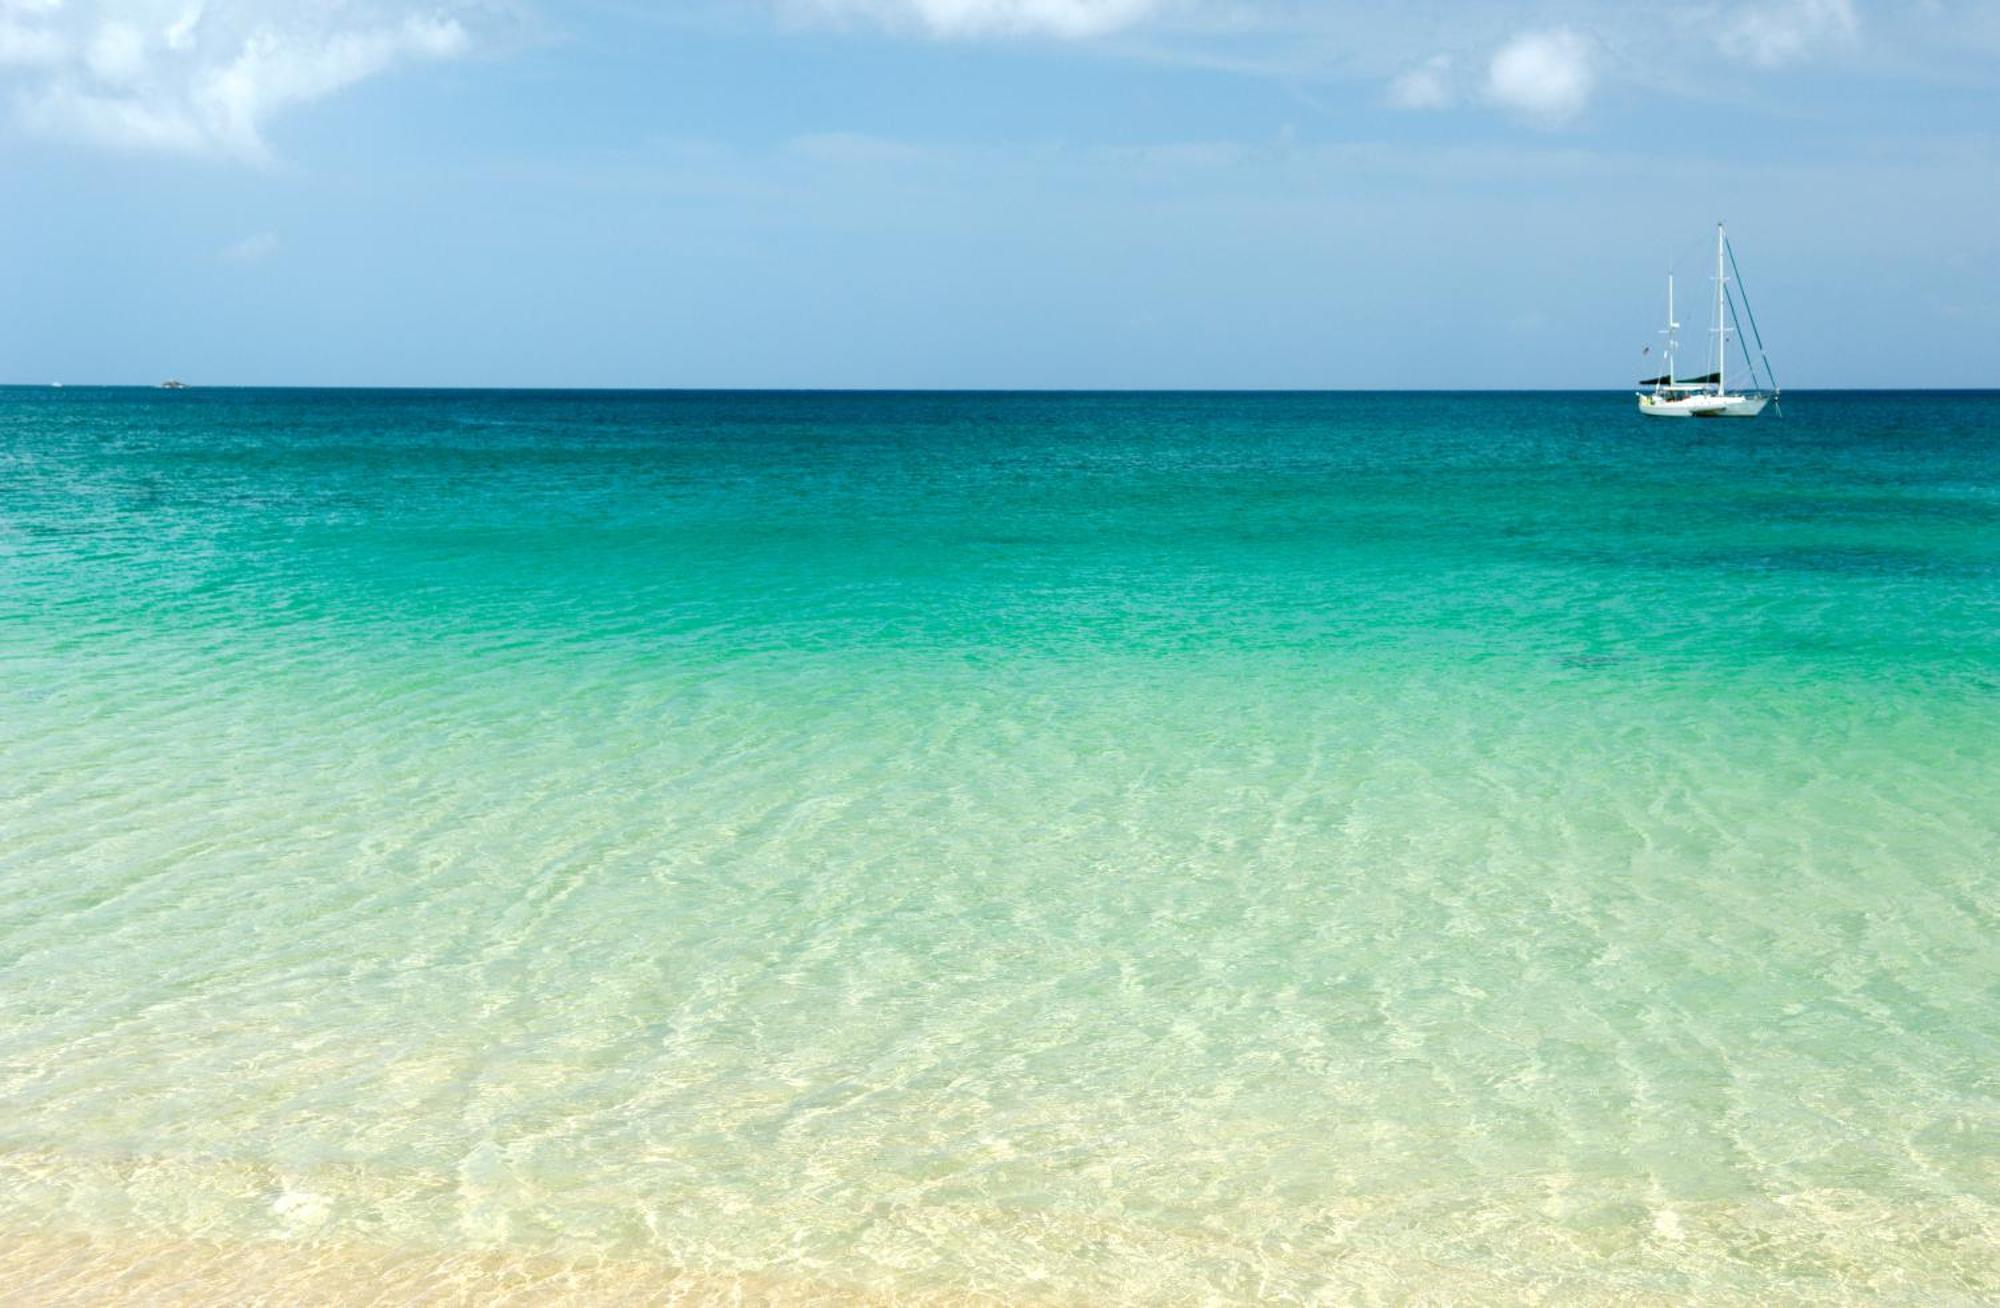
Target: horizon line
[[938, 390]]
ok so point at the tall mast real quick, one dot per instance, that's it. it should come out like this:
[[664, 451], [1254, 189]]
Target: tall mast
[[1721, 328], [1671, 324]]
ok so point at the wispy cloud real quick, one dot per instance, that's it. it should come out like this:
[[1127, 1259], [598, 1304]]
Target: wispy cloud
[[1545, 77], [1427, 86], [201, 75], [967, 18], [1785, 31], [22, 39]]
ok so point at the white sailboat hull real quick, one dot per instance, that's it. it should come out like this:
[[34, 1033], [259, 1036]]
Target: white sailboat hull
[[1703, 406]]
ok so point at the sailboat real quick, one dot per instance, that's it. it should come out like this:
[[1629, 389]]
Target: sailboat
[[1709, 395]]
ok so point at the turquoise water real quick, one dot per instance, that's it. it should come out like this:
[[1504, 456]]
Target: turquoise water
[[1046, 848]]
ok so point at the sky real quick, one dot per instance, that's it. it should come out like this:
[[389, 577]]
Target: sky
[[990, 193]]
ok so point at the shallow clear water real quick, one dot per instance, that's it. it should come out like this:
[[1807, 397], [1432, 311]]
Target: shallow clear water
[[1056, 848]]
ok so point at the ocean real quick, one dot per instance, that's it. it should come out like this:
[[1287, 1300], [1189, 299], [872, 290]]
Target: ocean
[[998, 848]]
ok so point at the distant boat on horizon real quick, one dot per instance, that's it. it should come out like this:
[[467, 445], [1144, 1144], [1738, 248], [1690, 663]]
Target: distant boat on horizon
[[173, 384], [1709, 396]]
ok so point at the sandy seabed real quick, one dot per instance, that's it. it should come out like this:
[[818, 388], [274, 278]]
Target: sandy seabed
[[51, 1269]]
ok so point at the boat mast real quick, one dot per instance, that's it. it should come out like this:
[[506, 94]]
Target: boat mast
[[1721, 327], [1669, 332]]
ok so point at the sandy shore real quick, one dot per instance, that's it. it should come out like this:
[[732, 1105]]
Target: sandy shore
[[78, 1269], [56, 1269]]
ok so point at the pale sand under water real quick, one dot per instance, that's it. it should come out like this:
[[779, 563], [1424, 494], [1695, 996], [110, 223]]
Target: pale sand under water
[[46, 1268], [1526, 1244]]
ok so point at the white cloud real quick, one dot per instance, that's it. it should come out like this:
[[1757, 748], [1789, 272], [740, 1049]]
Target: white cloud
[[116, 54], [964, 18], [200, 75], [1787, 30], [25, 41], [251, 249], [1427, 86], [1546, 77]]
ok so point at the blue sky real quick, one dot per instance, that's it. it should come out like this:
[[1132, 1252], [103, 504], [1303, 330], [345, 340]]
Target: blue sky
[[1066, 193]]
